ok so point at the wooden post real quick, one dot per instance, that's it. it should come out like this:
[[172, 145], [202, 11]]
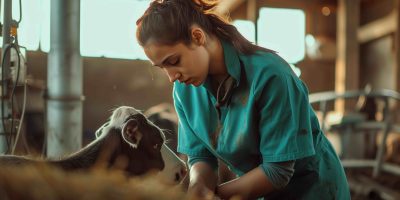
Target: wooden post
[[347, 61], [347, 71], [252, 11], [396, 66], [252, 15]]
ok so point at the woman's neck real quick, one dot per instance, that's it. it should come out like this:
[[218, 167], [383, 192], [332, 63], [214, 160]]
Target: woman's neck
[[217, 68]]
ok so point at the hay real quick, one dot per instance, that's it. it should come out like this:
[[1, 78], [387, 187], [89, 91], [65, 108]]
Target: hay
[[38, 182]]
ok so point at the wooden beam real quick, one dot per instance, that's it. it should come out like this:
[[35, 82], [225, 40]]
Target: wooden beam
[[347, 60], [378, 28], [226, 6], [397, 45], [252, 11]]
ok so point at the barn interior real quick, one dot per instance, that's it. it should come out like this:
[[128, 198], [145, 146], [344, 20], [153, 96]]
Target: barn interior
[[66, 64]]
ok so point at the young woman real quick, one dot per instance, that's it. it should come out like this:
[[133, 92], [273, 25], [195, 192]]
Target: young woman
[[240, 103]]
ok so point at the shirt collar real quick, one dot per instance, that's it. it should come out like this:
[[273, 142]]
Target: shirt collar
[[232, 63]]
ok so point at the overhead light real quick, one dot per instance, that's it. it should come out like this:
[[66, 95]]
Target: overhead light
[[326, 11]]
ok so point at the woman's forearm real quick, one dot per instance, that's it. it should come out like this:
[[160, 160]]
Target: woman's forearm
[[249, 186], [203, 178]]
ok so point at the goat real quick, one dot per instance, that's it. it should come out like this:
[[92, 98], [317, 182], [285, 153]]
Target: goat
[[175, 169], [128, 135], [164, 116]]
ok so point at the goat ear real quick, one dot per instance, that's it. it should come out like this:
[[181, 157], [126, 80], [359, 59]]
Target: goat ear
[[131, 133]]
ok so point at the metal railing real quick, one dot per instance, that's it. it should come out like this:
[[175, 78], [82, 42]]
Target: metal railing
[[385, 125]]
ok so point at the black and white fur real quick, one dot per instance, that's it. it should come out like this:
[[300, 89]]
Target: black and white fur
[[128, 136]]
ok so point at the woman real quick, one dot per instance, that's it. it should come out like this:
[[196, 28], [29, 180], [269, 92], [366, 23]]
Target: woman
[[240, 103]]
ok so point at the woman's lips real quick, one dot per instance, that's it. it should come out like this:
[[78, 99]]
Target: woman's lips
[[188, 81]]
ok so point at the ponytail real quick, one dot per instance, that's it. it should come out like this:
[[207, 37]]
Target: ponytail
[[169, 22]]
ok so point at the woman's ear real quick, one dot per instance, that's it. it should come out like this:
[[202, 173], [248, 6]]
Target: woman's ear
[[198, 36]]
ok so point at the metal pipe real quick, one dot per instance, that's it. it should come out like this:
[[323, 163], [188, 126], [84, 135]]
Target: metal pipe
[[64, 80], [382, 146], [369, 163], [7, 17]]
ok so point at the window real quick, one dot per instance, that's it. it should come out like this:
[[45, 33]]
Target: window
[[108, 27], [29, 28], [45, 26], [282, 30], [246, 28]]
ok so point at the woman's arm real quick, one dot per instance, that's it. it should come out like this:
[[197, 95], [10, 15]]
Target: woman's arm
[[203, 179], [259, 181], [249, 186]]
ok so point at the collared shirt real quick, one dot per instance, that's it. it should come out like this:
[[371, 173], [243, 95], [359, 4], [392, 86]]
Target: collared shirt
[[268, 119]]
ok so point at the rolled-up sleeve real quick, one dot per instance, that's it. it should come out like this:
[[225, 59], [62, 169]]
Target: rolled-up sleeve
[[279, 174]]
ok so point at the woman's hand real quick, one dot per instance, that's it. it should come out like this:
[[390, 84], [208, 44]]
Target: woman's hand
[[252, 185], [200, 191], [203, 180]]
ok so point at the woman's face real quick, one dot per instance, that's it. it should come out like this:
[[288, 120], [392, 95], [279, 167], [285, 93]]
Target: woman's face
[[186, 64]]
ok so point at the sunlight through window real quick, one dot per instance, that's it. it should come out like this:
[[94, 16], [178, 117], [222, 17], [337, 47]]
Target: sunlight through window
[[108, 28], [282, 30], [29, 28], [45, 27], [246, 28]]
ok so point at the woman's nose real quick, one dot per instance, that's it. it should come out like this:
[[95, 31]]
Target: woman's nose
[[173, 76]]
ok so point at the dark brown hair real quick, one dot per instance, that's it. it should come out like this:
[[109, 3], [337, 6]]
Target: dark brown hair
[[169, 22]]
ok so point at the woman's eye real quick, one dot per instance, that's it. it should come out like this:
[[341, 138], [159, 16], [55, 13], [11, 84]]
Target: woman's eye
[[174, 61]]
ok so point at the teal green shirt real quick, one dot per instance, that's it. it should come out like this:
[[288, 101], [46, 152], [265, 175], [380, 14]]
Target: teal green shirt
[[269, 119]]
